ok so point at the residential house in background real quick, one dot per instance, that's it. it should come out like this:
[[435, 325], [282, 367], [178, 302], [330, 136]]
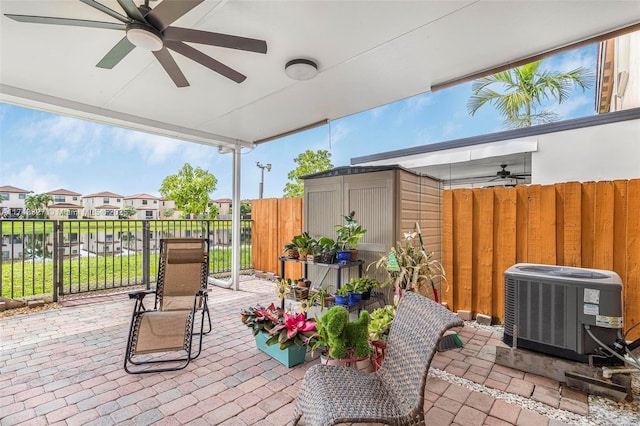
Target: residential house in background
[[225, 207], [102, 205], [148, 206], [12, 246], [66, 204], [102, 242], [12, 204], [168, 209], [618, 74]]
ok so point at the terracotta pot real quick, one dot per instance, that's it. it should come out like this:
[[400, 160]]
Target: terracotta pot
[[354, 255]]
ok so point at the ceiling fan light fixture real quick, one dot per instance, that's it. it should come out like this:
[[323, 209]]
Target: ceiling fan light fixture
[[301, 69], [144, 37]]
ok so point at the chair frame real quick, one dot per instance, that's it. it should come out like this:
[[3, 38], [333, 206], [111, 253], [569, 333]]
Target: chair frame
[[200, 303], [394, 394]]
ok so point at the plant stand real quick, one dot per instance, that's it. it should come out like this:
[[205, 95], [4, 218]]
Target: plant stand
[[363, 364], [378, 353]]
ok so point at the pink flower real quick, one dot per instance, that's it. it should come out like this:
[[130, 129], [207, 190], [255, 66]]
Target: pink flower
[[298, 323]]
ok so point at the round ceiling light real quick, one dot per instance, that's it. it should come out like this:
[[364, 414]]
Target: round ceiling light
[[144, 37], [301, 69]]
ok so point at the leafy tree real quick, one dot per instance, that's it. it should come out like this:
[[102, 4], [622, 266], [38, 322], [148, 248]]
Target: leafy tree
[[35, 246], [522, 91], [190, 189], [36, 205], [168, 213], [308, 162], [245, 208], [128, 211], [214, 209]]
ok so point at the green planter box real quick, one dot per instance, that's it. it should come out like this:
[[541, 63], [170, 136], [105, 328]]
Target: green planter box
[[291, 356]]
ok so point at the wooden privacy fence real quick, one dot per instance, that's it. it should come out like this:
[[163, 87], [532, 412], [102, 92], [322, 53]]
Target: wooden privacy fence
[[275, 222], [589, 225], [485, 231]]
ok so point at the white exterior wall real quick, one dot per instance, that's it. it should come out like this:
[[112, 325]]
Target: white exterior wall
[[89, 206], [152, 205], [12, 248], [596, 153], [13, 202]]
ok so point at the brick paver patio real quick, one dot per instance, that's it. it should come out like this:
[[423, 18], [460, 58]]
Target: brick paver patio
[[64, 366]]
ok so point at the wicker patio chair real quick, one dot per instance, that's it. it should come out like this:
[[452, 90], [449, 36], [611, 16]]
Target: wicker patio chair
[[167, 330], [392, 395]]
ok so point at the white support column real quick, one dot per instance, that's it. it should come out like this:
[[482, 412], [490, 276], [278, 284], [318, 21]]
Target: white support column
[[235, 220]]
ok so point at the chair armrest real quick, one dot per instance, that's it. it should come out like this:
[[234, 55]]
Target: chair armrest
[[140, 294]]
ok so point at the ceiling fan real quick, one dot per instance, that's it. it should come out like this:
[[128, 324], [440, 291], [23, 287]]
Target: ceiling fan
[[503, 173], [150, 29]]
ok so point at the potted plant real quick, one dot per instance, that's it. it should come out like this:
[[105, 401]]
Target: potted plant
[[379, 327], [342, 296], [347, 340], [327, 248], [349, 235], [271, 326], [299, 246], [410, 268], [364, 285], [354, 295], [380, 323], [321, 296]]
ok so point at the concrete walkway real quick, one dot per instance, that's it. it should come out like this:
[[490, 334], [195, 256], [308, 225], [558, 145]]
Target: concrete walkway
[[64, 366]]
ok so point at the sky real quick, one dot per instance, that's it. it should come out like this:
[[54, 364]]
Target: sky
[[42, 152]]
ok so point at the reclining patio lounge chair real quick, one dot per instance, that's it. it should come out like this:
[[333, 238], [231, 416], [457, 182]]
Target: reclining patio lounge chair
[[167, 330], [394, 395]]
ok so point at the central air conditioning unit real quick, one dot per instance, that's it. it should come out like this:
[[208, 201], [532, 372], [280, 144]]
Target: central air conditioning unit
[[547, 307]]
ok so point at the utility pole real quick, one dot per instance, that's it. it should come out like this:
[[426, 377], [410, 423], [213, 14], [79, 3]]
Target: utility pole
[[262, 167]]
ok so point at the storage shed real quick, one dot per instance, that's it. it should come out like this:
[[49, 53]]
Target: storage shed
[[387, 200]]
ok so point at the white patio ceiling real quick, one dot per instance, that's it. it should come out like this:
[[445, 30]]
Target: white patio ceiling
[[369, 53]]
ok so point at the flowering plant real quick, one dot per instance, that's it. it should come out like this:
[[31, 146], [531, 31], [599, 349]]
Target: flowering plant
[[283, 328], [295, 329], [260, 319]]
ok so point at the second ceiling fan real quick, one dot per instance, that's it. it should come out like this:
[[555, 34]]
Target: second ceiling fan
[[503, 173], [150, 29]]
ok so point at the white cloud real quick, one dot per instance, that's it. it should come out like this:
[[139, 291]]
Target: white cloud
[[31, 179], [418, 103], [339, 132], [566, 109], [379, 111], [573, 60], [152, 149], [61, 155], [69, 138]]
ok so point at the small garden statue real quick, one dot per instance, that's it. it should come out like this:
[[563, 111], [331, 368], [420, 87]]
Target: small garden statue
[[343, 334]]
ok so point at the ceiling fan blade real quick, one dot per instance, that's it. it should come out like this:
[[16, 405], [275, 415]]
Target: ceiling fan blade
[[66, 21], [116, 54], [167, 12], [205, 60], [169, 64], [215, 39], [104, 9], [132, 10]]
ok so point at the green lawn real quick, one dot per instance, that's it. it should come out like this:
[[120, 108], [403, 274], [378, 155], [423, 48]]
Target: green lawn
[[94, 273]]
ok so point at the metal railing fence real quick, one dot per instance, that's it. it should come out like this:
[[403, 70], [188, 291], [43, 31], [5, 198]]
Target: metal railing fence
[[71, 257]]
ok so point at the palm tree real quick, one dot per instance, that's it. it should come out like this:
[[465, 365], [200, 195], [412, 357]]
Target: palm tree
[[38, 204], [523, 89]]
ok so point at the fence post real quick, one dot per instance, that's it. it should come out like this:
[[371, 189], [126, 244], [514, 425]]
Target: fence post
[[58, 263], [146, 264]]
